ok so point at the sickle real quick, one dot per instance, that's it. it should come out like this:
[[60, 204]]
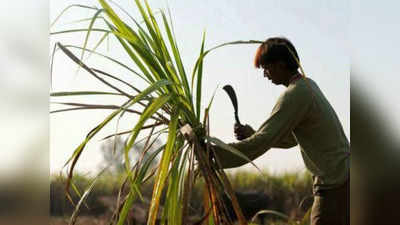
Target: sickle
[[232, 95]]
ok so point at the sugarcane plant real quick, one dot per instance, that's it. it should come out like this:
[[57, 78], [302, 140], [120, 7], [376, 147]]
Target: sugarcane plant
[[171, 104]]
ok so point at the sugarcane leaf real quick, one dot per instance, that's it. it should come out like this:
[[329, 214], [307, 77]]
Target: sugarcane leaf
[[162, 171], [135, 58], [188, 182], [146, 39], [148, 23], [148, 57], [162, 46], [233, 43], [272, 212], [149, 111], [79, 149], [76, 108], [83, 198], [130, 131], [231, 149], [111, 59], [174, 77], [67, 8], [125, 33], [147, 163], [172, 206], [177, 57], [212, 98], [51, 65], [207, 110], [201, 58], [116, 78], [89, 31], [199, 80], [113, 16], [126, 207], [79, 30], [74, 93], [76, 60], [105, 35], [81, 106], [83, 20]]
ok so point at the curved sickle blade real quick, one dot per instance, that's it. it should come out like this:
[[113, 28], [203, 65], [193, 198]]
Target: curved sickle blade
[[232, 95]]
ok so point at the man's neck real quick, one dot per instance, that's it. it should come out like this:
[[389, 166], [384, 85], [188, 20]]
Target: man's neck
[[292, 75]]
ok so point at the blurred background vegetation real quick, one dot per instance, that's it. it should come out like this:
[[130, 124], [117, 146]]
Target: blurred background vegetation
[[288, 193]]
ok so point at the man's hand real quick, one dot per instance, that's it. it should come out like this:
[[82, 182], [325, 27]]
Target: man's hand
[[242, 132]]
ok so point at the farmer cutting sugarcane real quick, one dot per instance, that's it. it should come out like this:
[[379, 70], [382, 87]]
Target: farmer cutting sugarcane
[[303, 116]]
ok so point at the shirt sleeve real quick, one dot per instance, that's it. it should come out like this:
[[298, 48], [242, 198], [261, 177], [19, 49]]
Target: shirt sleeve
[[290, 109], [288, 141]]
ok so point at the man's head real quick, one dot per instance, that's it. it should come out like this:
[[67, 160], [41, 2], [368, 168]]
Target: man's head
[[277, 57]]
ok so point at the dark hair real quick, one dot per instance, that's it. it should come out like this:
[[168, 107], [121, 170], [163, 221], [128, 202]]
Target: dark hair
[[276, 49]]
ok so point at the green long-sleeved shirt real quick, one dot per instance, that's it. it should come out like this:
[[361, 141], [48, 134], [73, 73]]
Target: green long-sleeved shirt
[[301, 115]]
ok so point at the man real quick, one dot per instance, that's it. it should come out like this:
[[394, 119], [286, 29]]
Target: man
[[302, 115]]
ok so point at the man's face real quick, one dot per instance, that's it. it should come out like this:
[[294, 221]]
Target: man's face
[[273, 71]]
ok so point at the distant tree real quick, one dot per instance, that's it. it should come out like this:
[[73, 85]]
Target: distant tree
[[113, 153]]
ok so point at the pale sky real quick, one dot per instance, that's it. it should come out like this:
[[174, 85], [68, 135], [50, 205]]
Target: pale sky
[[318, 29]]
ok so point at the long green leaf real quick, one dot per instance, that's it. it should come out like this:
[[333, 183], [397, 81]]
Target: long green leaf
[[172, 207], [126, 207], [89, 31], [149, 26], [124, 32], [81, 106], [158, 67], [116, 78], [272, 212], [73, 93], [177, 57], [147, 163], [207, 110], [146, 39], [68, 7], [90, 107], [201, 58], [233, 43], [231, 149], [134, 57], [163, 170], [79, 30], [79, 62], [83, 198], [146, 56], [130, 131], [199, 80], [83, 20], [114, 17], [111, 59], [79, 149], [149, 111]]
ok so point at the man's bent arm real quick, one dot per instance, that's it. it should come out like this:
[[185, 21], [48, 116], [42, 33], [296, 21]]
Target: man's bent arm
[[288, 141], [288, 112]]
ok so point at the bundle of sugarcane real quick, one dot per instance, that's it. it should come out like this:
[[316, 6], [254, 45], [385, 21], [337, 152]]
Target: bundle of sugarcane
[[171, 104]]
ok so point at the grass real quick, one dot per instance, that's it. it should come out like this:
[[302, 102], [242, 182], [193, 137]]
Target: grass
[[285, 191]]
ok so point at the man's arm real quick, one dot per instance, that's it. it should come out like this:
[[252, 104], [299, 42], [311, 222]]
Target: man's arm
[[288, 112], [243, 132], [288, 141]]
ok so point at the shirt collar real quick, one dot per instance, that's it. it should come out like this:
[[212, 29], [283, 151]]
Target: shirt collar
[[295, 77]]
